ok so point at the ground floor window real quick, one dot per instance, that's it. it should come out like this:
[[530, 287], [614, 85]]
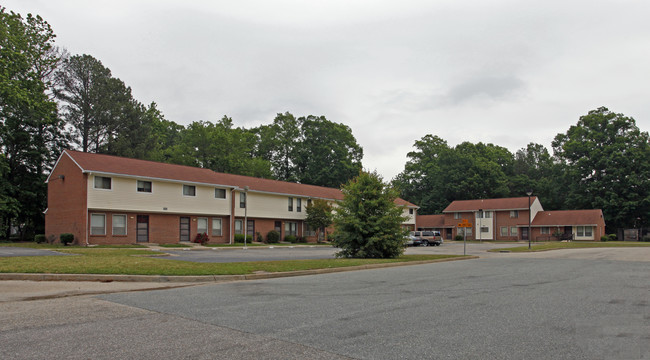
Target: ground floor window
[[504, 231], [202, 225], [545, 230], [584, 231], [291, 228], [514, 231], [216, 227], [119, 224], [309, 231], [239, 226], [465, 231], [97, 224]]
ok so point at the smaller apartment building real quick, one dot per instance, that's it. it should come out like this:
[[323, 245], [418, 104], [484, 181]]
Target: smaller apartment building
[[104, 199], [508, 219]]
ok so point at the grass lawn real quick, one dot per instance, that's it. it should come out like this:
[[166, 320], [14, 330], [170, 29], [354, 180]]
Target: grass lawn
[[239, 245], [573, 245], [132, 262], [33, 245]]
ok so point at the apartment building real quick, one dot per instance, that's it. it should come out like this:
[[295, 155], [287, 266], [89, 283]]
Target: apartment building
[[104, 199]]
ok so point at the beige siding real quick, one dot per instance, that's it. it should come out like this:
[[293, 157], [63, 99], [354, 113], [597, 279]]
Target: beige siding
[[124, 196], [410, 219], [264, 205]]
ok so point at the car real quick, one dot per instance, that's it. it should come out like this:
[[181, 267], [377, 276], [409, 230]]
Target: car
[[431, 238], [413, 241]]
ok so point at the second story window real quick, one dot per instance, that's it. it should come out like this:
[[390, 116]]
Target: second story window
[[410, 211], [144, 186], [189, 190], [219, 193], [457, 215], [514, 213], [299, 205], [102, 182], [290, 204], [242, 200]]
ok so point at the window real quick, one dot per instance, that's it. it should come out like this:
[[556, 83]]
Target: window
[[514, 214], [290, 204], [545, 230], [119, 224], [581, 230], [239, 226], [299, 205], [504, 231], [219, 193], [308, 202], [456, 215], [484, 229], [102, 182], [484, 214], [216, 227], [144, 186], [242, 200], [97, 224], [189, 190], [202, 225], [410, 211], [309, 231], [291, 228], [584, 231], [513, 231], [588, 230]]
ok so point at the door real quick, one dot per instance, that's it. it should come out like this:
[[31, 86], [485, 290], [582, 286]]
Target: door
[[524, 233], [278, 228], [250, 230], [185, 229], [142, 228]]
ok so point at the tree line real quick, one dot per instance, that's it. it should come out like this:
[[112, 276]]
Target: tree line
[[602, 162], [51, 100]]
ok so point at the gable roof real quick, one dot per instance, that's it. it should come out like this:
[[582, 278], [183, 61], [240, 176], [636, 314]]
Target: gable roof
[[518, 203], [569, 217], [431, 221], [115, 165]]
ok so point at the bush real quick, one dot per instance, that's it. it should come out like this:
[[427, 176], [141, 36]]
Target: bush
[[260, 238], [273, 237], [612, 237], [604, 238], [646, 238], [301, 239], [40, 238], [459, 238], [66, 238], [239, 238], [290, 238], [201, 238]]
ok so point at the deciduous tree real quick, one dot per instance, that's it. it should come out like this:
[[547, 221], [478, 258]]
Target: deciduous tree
[[319, 216]]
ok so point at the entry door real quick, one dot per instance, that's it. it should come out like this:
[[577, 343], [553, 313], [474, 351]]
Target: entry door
[[524, 233], [278, 228], [251, 229], [142, 228], [185, 229]]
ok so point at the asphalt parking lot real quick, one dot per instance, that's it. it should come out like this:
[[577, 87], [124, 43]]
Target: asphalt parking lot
[[508, 306], [9, 251]]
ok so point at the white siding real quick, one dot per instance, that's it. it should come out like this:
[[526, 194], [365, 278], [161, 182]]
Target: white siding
[[273, 206], [124, 196], [410, 219]]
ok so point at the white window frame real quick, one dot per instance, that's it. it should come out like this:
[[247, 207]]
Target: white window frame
[[93, 227], [113, 224], [514, 214], [137, 186], [485, 229], [290, 204], [580, 231], [514, 231], [456, 215], [288, 225], [545, 230], [110, 188], [504, 231], [189, 187], [298, 205], [241, 226], [206, 229], [591, 231], [243, 199], [217, 231], [224, 193]]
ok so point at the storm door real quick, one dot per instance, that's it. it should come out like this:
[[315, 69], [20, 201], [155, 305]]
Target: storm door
[[142, 228], [185, 229]]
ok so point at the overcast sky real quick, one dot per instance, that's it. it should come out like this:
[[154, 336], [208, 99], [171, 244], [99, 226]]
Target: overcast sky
[[502, 72]]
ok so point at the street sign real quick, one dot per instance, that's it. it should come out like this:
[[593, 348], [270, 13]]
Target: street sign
[[464, 223]]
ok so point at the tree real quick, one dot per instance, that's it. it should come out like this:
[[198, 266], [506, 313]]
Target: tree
[[282, 146], [368, 223], [30, 130], [96, 105], [319, 216], [607, 161], [328, 154]]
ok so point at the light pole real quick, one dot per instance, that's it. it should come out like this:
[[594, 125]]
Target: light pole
[[245, 215], [529, 193], [480, 225]]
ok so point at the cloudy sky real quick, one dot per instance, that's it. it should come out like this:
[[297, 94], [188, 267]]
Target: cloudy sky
[[502, 72]]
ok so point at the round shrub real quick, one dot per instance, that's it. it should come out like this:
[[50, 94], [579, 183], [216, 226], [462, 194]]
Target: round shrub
[[259, 236], [273, 237], [459, 238], [290, 238], [604, 238], [201, 238], [612, 237], [40, 238], [239, 238], [66, 238]]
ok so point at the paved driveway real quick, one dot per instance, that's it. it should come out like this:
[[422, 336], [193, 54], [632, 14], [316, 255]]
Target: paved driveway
[[8, 251]]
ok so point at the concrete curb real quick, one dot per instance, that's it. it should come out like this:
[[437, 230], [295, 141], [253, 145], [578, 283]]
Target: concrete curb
[[209, 278]]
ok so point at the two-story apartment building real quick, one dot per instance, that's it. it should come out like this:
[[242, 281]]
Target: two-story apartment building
[[508, 219], [105, 199]]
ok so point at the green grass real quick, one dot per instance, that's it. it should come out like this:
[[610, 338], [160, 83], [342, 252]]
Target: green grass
[[34, 245], [123, 261], [175, 246], [573, 245], [239, 245]]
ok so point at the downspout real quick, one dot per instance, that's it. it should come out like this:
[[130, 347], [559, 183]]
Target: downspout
[[232, 213], [87, 225]]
